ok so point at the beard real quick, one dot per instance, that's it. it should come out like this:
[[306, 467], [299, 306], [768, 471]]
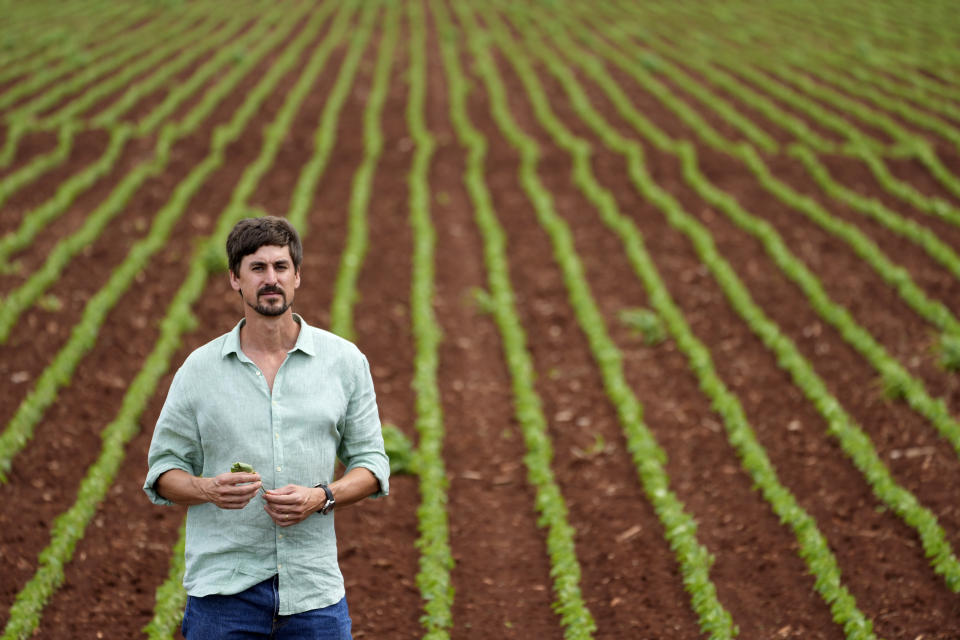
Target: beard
[[270, 310]]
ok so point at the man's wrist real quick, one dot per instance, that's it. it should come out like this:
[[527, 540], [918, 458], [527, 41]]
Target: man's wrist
[[326, 499]]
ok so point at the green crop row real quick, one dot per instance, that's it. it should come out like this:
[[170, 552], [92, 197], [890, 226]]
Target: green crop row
[[85, 333], [161, 77], [70, 526], [41, 72], [67, 129], [156, 57], [908, 145], [848, 40], [919, 234], [171, 597], [898, 188], [436, 559], [21, 298], [679, 527], [576, 619], [845, 73], [28, 34], [840, 424], [139, 43], [355, 248], [30, 172], [790, 123], [897, 380], [69, 190], [813, 547], [241, 56]]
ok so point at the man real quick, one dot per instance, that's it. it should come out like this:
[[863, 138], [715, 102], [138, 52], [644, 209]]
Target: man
[[287, 399]]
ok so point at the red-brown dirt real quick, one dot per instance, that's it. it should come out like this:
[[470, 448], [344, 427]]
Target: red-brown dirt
[[502, 579]]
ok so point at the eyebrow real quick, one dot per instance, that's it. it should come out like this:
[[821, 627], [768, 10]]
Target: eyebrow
[[281, 261]]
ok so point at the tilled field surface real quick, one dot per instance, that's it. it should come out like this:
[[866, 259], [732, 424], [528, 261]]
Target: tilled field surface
[[665, 296]]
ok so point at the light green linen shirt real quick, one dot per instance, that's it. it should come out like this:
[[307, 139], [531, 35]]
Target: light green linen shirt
[[219, 410]]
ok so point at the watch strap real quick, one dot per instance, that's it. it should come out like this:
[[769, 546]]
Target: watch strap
[[328, 505]]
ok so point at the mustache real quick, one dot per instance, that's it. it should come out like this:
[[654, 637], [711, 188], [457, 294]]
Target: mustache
[[270, 289]]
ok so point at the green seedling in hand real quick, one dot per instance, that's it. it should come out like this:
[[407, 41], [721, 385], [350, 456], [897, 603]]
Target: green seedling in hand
[[243, 467]]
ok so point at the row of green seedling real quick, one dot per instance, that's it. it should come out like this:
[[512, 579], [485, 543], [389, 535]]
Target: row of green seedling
[[358, 240], [679, 527], [41, 70], [436, 559], [845, 69], [565, 571], [170, 595], [23, 119], [840, 424], [137, 44], [70, 526], [907, 145], [148, 61], [898, 188], [28, 33], [897, 380], [851, 39], [67, 130], [21, 298], [85, 333], [812, 544]]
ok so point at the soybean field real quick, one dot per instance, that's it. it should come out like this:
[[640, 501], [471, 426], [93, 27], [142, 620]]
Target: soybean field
[[661, 302]]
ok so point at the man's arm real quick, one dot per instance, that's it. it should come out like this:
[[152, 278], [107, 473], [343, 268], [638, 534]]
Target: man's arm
[[227, 490]]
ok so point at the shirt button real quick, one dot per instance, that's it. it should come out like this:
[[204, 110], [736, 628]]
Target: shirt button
[[276, 435], [279, 566], [258, 373], [280, 536], [279, 468]]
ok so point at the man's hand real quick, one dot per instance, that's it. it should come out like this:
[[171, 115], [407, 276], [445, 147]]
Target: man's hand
[[227, 490], [230, 490], [292, 504]]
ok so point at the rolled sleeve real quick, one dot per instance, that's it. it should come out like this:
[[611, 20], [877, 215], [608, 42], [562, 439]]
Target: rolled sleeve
[[361, 441], [176, 439]]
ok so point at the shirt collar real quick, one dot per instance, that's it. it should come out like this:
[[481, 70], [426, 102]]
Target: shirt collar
[[304, 340]]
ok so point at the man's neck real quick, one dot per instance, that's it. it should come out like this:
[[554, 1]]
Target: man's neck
[[262, 334]]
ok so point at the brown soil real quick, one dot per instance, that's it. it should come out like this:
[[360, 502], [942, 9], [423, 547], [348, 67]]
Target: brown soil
[[503, 588]]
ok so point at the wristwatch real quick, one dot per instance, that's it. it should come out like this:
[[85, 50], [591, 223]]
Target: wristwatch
[[328, 505]]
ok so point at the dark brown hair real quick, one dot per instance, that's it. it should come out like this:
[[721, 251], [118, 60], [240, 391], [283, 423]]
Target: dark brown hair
[[248, 235]]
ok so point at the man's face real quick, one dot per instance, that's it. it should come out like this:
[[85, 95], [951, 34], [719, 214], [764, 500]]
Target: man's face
[[267, 280]]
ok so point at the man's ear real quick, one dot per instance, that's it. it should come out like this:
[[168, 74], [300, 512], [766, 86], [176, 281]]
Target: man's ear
[[234, 281]]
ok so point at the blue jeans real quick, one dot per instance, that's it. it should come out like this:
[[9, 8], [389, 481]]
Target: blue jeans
[[253, 614]]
